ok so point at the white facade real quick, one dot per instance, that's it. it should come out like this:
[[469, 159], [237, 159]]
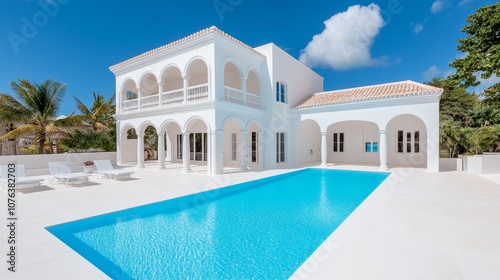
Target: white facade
[[225, 104]]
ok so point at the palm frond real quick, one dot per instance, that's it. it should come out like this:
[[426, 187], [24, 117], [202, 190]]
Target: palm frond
[[100, 126], [22, 130], [70, 120], [12, 110], [81, 107]]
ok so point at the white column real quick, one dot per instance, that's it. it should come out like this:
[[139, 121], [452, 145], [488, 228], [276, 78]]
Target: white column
[[260, 148], [170, 152], [244, 151], [209, 152], [160, 91], [118, 143], [185, 153], [186, 84], [244, 89], [140, 151], [161, 150], [118, 101], [324, 149], [139, 96], [382, 149], [217, 152]]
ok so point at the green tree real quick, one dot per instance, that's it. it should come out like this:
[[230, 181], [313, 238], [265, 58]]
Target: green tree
[[471, 139], [450, 137], [485, 115], [37, 108], [489, 137], [82, 141], [455, 102], [482, 46], [98, 115]]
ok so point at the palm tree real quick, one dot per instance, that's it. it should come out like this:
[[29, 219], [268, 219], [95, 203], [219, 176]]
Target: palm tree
[[97, 114], [37, 108]]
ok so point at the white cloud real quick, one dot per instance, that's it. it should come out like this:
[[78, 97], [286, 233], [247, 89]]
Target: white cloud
[[346, 41], [430, 73], [485, 83], [464, 3], [438, 6], [418, 27]]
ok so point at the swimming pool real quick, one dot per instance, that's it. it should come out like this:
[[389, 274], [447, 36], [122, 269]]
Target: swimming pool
[[263, 229]]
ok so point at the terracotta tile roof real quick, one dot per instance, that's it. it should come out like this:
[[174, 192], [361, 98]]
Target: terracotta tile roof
[[383, 91], [181, 41]]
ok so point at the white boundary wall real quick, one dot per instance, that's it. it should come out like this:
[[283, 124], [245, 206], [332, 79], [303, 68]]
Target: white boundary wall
[[482, 164], [38, 164]]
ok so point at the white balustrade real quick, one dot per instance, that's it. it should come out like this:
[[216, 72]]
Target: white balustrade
[[253, 100], [150, 101], [130, 105], [233, 95], [172, 97], [197, 93]]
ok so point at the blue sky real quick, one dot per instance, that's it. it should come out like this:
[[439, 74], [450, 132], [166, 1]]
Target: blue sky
[[75, 41]]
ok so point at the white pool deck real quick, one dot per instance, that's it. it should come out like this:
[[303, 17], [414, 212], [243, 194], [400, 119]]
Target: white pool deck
[[416, 225]]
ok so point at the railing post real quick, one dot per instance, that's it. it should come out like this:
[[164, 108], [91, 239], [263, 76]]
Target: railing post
[[186, 160], [139, 96], [186, 84], [244, 90], [244, 151], [160, 91]]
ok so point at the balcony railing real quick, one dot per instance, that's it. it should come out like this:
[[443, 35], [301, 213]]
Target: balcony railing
[[130, 105], [253, 100], [193, 94], [150, 101], [233, 95], [197, 93], [172, 97]]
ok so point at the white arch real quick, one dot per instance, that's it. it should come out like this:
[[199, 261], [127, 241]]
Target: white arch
[[144, 125], [167, 122], [170, 65], [236, 63], [194, 118], [236, 119], [190, 63], [255, 122]]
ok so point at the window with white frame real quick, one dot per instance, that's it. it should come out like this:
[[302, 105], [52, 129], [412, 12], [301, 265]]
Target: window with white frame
[[233, 147], [338, 142], [280, 147], [371, 141], [281, 92], [408, 141]]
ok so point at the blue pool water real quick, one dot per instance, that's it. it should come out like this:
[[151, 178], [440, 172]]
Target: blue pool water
[[264, 229]]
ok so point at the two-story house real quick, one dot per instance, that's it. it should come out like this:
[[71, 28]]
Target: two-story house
[[214, 100]]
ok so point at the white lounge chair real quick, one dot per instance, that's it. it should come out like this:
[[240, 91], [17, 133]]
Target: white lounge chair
[[61, 172], [104, 167], [20, 176]]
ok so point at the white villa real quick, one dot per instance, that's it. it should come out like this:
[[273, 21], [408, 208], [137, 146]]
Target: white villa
[[214, 100]]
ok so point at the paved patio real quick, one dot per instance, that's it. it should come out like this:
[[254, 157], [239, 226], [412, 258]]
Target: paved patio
[[416, 225]]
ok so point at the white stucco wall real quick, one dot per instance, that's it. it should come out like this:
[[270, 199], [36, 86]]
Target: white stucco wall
[[38, 164], [354, 143], [387, 115], [300, 80], [307, 142]]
